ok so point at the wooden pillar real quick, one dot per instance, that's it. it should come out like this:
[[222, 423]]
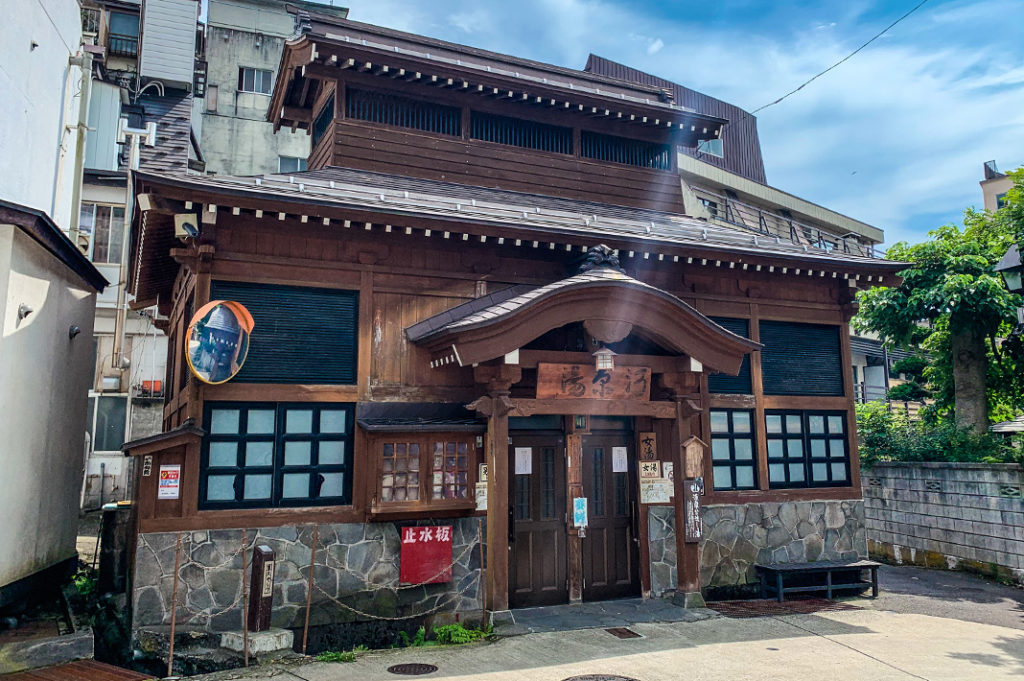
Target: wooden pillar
[[688, 593], [685, 387], [496, 406], [574, 548]]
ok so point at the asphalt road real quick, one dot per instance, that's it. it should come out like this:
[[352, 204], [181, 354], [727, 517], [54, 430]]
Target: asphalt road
[[954, 595]]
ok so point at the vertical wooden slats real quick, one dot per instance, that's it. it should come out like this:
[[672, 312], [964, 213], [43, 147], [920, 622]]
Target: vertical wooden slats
[[624, 150], [323, 120], [520, 133], [403, 112]]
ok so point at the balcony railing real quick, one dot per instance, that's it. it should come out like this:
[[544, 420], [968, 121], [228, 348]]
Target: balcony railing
[[745, 216], [123, 45]]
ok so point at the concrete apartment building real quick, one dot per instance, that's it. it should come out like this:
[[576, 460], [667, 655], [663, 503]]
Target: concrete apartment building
[[47, 295], [994, 186], [244, 39]]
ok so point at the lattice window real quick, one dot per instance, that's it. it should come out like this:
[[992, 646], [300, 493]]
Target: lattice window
[[400, 472], [624, 150], [520, 133], [402, 112]]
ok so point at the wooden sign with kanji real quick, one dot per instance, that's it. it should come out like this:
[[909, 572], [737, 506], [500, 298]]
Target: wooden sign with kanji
[[576, 381]]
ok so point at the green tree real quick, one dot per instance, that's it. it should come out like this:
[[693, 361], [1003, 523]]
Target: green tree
[[955, 306]]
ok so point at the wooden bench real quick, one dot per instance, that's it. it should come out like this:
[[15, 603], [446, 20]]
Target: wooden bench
[[772, 577]]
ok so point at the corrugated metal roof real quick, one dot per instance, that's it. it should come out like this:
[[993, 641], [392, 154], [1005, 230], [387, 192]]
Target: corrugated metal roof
[[534, 216], [739, 137]]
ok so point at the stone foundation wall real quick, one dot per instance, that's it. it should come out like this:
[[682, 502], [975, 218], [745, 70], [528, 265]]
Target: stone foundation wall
[[737, 536], [948, 515], [661, 534], [356, 571]]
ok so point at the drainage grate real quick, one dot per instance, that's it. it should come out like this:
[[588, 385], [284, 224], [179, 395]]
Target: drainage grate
[[599, 677], [767, 608], [412, 669], [623, 632]]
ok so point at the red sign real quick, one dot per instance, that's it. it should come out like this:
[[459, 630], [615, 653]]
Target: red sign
[[426, 555]]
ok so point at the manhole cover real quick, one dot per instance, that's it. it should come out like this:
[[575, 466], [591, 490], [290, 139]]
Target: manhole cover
[[412, 669], [599, 677], [623, 632]]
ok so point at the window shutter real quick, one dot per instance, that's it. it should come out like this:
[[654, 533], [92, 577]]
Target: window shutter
[[801, 359], [302, 335], [724, 383]]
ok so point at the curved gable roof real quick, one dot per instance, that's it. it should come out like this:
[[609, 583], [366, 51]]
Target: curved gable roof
[[605, 294]]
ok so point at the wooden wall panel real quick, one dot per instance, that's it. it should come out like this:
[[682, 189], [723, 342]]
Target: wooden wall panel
[[392, 150]]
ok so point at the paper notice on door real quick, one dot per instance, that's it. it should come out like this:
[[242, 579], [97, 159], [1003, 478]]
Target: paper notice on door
[[481, 496], [524, 460], [620, 462]]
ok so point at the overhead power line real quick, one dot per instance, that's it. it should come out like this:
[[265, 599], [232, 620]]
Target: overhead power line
[[846, 58]]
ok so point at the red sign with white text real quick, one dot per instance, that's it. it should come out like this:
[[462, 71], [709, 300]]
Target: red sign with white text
[[426, 555]]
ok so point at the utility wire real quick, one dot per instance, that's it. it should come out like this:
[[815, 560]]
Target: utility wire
[[55, 27], [846, 58]]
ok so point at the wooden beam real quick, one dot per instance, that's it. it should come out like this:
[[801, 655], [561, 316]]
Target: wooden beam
[[296, 114], [530, 407]]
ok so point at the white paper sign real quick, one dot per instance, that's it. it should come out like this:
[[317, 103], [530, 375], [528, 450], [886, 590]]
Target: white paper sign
[[169, 484], [668, 470], [481, 496], [656, 491], [620, 463], [524, 460]]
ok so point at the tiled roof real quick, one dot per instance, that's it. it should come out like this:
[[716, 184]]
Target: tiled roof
[[536, 217]]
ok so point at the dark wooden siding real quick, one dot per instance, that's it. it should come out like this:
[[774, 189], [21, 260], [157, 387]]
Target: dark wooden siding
[[368, 147], [739, 136], [301, 335], [801, 359]]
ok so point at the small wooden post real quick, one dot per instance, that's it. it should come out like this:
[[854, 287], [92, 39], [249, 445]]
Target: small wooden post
[[245, 602], [480, 582], [261, 585], [309, 587], [174, 606]]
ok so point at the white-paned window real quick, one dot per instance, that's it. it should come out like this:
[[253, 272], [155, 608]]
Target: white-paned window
[[255, 80], [290, 164], [105, 227]]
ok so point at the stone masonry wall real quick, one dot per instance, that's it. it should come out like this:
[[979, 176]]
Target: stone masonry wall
[[948, 515], [737, 536], [661, 534], [356, 569]]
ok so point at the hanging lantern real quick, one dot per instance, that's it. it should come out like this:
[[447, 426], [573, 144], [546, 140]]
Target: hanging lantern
[[604, 360]]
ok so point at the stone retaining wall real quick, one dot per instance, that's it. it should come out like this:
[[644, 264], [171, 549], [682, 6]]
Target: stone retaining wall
[[356, 564], [737, 536], [948, 515]]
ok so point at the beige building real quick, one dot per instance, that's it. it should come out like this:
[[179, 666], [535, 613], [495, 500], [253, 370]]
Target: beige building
[[244, 39], [47, 296], [994, 186]]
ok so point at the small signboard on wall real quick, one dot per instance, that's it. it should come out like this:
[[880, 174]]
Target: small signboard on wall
[[648, 446], [655, 491], [169, 486], [579, 512], [694, 528], [650, 469], [426, 555]]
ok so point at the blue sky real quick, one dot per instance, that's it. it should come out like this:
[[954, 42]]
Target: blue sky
[[895, 137]]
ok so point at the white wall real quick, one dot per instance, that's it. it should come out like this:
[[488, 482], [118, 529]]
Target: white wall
[[39, 95], [44, 378]]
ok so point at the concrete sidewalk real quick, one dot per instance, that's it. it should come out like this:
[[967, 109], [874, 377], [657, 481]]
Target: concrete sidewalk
[[867, 645]]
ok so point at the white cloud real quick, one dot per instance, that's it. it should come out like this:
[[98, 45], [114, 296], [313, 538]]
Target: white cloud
[[894, 136]]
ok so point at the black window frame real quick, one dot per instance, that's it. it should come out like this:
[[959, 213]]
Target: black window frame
[[731, 436], [278, 469], [807, 458]]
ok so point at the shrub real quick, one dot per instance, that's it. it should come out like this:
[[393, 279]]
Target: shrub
[[456, 634], [336, 656], [886, 435]]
